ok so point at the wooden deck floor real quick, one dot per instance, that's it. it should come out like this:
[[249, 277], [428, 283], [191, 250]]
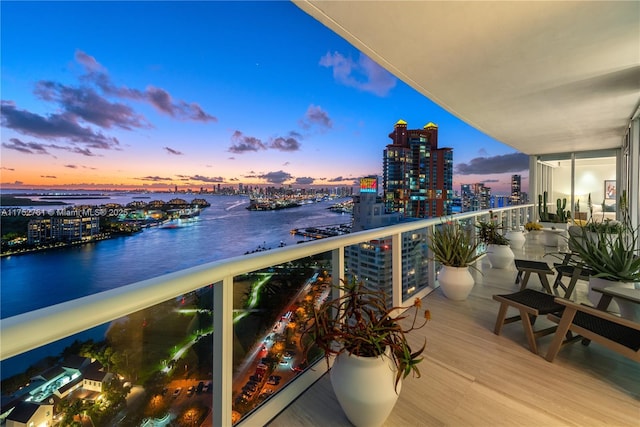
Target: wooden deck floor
[[472, 377]]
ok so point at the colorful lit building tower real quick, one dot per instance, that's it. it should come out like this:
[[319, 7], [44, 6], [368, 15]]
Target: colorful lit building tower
[[417, 175]]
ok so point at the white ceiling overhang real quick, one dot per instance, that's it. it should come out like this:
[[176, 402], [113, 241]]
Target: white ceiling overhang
[[540, 76]]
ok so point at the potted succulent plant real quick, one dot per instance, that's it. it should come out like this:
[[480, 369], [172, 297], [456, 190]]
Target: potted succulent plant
[[558, 219], [610, 251], [497, 246], [456, 250], [371, 349]]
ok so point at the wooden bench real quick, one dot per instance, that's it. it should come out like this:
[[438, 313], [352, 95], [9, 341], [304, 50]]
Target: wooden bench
[[526, 267], [575, 272], [531, 304], [590, 324]]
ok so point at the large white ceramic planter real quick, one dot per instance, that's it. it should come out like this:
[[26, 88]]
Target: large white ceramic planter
[[365, 388], [500, 256], [552, 238], [456, 282], [556, 225], [627, 309], [516, 239], [534, 235]]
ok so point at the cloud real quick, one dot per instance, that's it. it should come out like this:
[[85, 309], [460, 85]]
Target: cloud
[[88, 61], [315, 115], [347, 179], [37, 148], [86, 104], [25, 147], [201, 178], [53, 127], [159, 98], [172, 151], [153, 178], [364, 75], [7, 169], [49, 176], [514, 162], [71, 166], [78, 150], [79, 106], [304, 180], [488, 181], [163, 102], [285, 144], [242, 143], [278, 177]]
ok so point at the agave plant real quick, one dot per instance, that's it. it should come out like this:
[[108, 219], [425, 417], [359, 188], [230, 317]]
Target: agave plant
[[453, 246], [610, 252], [489, 233]]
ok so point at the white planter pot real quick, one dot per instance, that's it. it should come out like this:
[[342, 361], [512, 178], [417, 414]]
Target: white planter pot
[[456, 282], [553, 238], [365, 388], [627, 309], [534, 234], [556, 225], [516, 239], [500, 256]]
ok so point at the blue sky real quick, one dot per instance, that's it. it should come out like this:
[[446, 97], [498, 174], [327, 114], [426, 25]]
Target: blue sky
[[157, 94]]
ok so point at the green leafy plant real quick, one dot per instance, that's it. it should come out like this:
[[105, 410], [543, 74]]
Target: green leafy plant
[[605, 226], [358, 322], [611, 252], [453, 246], [489, 233]]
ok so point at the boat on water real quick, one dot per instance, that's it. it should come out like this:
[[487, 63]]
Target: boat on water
[[271, 204], [182, 218]]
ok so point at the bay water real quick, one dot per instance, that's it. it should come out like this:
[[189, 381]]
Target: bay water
[[223, 230]]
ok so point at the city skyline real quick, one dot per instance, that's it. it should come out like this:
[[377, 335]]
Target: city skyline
[[152, 95]]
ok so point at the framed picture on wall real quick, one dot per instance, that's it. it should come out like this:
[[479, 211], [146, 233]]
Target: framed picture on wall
[[609, 189]]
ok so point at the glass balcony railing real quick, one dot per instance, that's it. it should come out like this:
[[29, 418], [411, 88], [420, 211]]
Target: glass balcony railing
[[217, 344]]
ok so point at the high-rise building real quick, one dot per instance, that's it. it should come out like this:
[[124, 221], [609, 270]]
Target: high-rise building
[[516, 190], [370, 261], [417, 175], [475, 197], [62, 229]]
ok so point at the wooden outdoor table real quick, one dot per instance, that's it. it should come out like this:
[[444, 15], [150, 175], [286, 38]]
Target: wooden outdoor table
[[628, 294]]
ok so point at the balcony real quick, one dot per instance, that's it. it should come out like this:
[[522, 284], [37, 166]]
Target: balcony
[[470, 375]]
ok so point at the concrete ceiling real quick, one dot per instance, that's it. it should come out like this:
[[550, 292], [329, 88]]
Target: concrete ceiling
[[540, 76]]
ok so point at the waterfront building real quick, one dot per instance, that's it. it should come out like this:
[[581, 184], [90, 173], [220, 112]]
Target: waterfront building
[[30, 414], [417, 175], [62, 229]]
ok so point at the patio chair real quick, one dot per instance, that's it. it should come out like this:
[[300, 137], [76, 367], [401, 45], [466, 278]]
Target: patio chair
[[571, 267], [615, 333], [530, 303]]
